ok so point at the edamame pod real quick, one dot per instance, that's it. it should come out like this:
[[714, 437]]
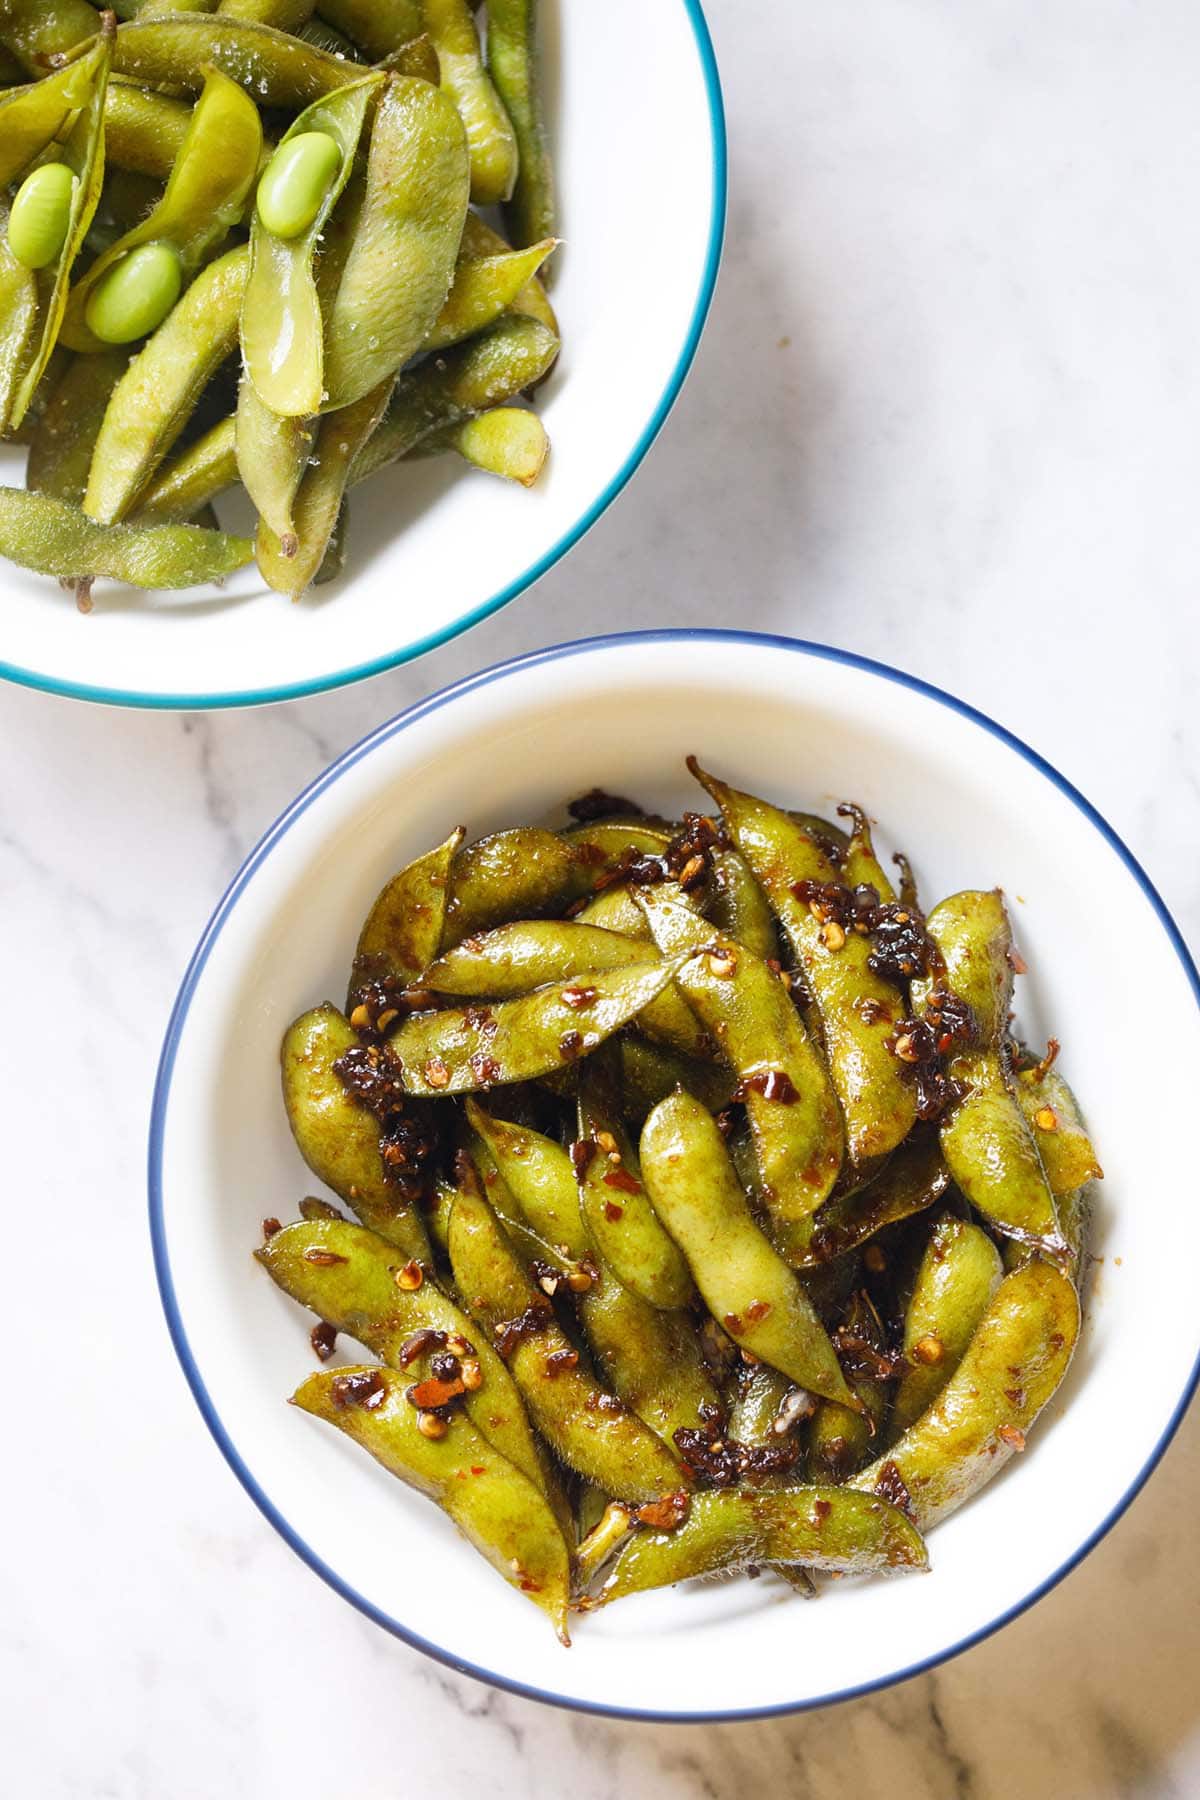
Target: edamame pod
[[540, 1176], [959, 1273], [338, 1139], [620, 1219], [460, 1051], [523, 873], [272, 452], [816, 1527], [39, 532], [64, 438], [514, 958], [496, 1508], [33, 116], [912, 1179], [282, 331], [649, 1072], [143, 131], [746, 1286], [790, 1102], [738, 907], [290, 564], [37, 30], [204, 196], [490, 136], [378, 27], [1015, 1362], [192, 479], [840, 1437], [280, 71], [156, 396], [483, 288], [861, 866], [496, 366], [858, 1009], [401, 259], [479, 239], [401, 933], [1053, 1114], [587, 1427], [508, 441], [281, 15], [513, 63], [363, 1287], [989, 1147]]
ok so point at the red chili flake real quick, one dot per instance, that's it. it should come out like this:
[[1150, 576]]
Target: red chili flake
[[485, 1068], [478, 1469], [667, 1514], [623, 1181], [579, 997], [872, 1012], [269, 1228], [428, 1396], [363, 1387], [324, 1259], [529, 1585], [772, 1084], [757, 1310], [582, 1152], [890, 1487], [569, 1045], [323, 1338], [510, 1332], [1014, 1438], [723, 1462], [823, 1508], [613, 1212], [558, 1360], [733, 1324], [1015, 1396], [437, 1075], [1016, 962], [420, 1341]]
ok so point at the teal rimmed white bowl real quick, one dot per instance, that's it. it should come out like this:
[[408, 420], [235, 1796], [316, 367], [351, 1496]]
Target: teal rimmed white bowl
[[971, 805], [639, 142]]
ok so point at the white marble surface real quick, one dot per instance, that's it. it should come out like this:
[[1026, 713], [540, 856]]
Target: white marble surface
[[947, 412]]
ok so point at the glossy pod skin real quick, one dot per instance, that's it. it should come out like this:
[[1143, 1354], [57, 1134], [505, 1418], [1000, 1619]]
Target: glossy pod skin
[[39, 532], [479, 239], [512, 959], [496, 1508], [271, 453], [861, 866], [508, 441], [513, 64], [205, 195], [816, 1527], [282, 331], [402, 254], [913, 1178], [1052, 1113], [522, 873], [490, 135], [589, 1429], [338, 1139], [957, 1278], [483, 288], [169, 54], [347, 1277], [790, 1102], [989, 1147], [498, 365], [738, 907], [1015, 1362], [746, 1286], [155, 397], [649, 1072], [33, 115], [377, 27], [616, 1207], [143, 131], [858, 1009], [461, 1051], [61, 446], [35, 30], [191, 479], [401, 933]]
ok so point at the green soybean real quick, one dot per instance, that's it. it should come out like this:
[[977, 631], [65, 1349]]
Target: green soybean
[[41, 215], [296, 181], [136, 294]]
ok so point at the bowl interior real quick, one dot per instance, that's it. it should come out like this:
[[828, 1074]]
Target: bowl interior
[[433, 546], [970, 810]]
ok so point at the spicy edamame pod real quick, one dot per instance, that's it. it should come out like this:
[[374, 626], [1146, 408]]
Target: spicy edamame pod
[[400, 261], [401, 933], [39, 532], [460, 1051], [747, 1287], [513, 63], [338, 1139], [959, 1273], [734, 1528], [840, 1437], [282, 334], [521, 873], [347, 1276], [129, 290], [1016, 1360], [912, 1179], [1064, 1146], [587, 1427], [988, 1144], [155, 397], [858, 1008], [738, 907], [490, 136], [493, 1504], [616, 1208], [790, 1101]]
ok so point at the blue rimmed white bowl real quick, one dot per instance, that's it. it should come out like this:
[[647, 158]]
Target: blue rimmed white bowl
[[1107, 971], [639, 141]]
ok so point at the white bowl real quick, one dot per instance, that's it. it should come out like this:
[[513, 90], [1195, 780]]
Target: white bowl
[[1108, 973], [639, 143]]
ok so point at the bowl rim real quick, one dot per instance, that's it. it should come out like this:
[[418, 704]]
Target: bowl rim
[[420, 646], [401, 721]]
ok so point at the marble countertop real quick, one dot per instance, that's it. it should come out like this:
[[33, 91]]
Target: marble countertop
[[947, 412]]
